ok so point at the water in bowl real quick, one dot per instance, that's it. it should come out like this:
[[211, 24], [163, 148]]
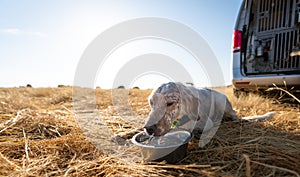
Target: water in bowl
[[169, 139]]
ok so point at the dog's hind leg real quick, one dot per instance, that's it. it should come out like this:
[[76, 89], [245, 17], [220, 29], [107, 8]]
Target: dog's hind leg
[[229, 113]]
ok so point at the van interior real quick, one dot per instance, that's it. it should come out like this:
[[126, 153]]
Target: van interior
[[270, 37]]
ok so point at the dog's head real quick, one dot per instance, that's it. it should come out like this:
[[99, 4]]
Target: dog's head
[[165, 109]]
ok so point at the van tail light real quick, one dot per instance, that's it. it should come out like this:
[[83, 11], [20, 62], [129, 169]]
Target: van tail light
[[237, 41], [242, 83]]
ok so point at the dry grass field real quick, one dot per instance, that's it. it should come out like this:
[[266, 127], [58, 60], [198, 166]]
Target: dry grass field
[[39, 137]]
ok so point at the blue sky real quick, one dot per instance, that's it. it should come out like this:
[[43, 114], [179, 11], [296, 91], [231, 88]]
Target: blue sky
[[41, 42]]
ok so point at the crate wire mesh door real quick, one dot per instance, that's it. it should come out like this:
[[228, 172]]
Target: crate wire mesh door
[[279, 22]]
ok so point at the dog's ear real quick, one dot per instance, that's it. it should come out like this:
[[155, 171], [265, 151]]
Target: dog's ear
[[154, 91], [189, 101], [150, 97], [191, 107]]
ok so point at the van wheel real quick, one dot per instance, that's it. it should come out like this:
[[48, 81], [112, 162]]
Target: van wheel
[[237, 93]]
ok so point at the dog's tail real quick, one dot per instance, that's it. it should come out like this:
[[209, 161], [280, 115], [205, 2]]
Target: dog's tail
[[266, 116]]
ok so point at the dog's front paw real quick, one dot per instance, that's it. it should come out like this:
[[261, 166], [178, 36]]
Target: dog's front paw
[[120, 141], [124, 138]]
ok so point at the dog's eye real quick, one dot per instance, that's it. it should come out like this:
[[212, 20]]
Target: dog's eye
[[151, 103], [170, 104]]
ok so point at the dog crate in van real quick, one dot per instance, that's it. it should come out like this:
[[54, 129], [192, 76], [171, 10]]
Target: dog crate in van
[[266, 45]]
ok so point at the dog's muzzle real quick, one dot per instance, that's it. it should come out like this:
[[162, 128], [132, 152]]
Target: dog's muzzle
[[150, 129]]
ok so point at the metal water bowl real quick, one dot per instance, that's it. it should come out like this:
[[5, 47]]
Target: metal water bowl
[[171, 147]]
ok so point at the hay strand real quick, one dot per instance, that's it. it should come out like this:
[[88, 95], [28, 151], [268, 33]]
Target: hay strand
[[277, 168], [248, 167], [283, 90], [11, 122], [26, 146]]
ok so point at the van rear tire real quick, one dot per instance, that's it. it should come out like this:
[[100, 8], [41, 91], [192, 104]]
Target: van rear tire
[[238, 93]]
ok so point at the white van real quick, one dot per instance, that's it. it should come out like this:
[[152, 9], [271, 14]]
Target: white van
[[266, 45]]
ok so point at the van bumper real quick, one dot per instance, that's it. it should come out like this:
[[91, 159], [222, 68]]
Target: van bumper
[[262, 82]]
